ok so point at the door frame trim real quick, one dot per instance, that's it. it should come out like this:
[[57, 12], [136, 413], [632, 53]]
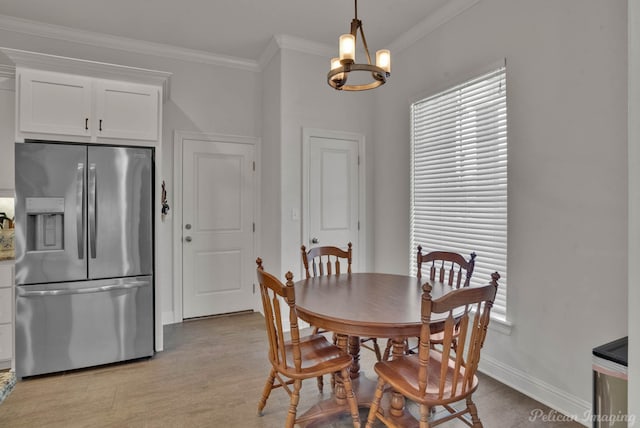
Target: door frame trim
[[178, 144], [307, 134]]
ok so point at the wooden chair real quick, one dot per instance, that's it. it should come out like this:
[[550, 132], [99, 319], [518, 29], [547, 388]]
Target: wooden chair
[[445, 267], [448, 268], [439, 378], [298, 358], [326, 261]]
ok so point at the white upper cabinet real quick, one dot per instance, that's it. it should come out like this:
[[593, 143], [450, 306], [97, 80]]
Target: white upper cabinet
[[126, 110], [71, 105], [69, 99], [7, 131], [54, 103]]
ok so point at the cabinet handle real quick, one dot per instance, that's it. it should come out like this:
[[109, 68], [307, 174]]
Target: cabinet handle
[[100, 125], [86, 123]]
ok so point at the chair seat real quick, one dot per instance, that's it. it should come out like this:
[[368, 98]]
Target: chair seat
[[319, 356], [401, 373]]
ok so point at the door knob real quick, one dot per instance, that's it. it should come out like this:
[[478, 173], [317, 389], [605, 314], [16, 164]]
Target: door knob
[[314, 240], [187, 238], [187, 226]]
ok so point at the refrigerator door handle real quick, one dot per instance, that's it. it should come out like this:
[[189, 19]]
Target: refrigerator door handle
[[127, 286], [80, 209], [92, 209]]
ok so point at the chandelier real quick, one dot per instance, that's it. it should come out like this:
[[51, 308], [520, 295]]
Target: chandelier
[[345, 64]]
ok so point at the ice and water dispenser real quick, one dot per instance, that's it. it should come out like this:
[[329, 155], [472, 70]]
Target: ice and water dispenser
[[45, 224]]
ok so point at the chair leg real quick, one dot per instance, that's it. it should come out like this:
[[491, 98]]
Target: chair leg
[[293, 405], [474, 413], [425, 413], [387, 350], [409, 350], [267, 390], [376, 349], [320, 383], [375, 405], [351, 398]]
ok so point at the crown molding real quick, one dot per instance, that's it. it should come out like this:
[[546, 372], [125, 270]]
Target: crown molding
[[90, 38], [7, 82], [444, 14], [7, 71], [267, 55], [284, 41], [96, 69], [302, 45]]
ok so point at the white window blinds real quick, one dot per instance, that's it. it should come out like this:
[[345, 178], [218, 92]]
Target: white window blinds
[[459, 177]]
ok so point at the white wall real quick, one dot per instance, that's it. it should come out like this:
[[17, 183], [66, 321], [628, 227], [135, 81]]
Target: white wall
[[204, 98], [567, 131], [271, 167]]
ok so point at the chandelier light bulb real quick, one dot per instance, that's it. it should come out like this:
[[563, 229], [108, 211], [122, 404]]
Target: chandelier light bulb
[[335, 63], [383, 60], [347, 47]]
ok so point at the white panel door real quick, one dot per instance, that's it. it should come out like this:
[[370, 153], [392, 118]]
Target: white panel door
[[333, 192], [218, 260]]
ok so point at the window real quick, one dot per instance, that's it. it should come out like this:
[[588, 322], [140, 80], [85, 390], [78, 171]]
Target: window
[[459, 177]]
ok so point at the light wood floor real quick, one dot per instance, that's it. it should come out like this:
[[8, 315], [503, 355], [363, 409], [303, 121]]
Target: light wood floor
[[211, 374]]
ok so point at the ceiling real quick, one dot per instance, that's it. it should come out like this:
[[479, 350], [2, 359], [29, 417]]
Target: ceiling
[[234, 28]]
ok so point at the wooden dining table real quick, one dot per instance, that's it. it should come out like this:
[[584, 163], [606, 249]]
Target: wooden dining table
[[358, 305]]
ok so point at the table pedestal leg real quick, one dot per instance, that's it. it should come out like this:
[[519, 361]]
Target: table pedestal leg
[[354, 351], [341, 394], [397, 400], [321, 414]]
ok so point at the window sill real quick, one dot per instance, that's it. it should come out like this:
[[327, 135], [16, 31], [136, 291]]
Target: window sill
[[501, 325]]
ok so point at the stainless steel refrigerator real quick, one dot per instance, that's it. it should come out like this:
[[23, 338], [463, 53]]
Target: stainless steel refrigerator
[[84, 256]]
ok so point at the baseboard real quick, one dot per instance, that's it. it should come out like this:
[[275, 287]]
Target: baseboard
[[568, 407]]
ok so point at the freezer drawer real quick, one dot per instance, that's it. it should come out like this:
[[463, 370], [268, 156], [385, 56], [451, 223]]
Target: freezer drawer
[[610, 385], [74, 325]]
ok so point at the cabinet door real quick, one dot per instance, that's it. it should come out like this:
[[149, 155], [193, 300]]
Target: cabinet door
[[7, 132], [6, 303], [6, 341], [54, 103], [126, 110], [6, 315]]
